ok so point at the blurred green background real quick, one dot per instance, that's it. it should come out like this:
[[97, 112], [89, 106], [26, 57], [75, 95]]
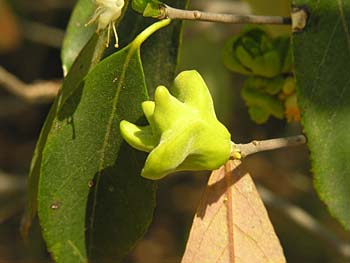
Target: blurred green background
[[31, 33]]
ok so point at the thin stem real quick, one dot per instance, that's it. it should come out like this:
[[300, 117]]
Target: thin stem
[[174, 13], [149, 31], [268, 145]]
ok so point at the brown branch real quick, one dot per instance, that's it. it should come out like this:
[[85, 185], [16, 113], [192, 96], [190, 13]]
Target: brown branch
[[39, 92], [174, 13], [268, 145]]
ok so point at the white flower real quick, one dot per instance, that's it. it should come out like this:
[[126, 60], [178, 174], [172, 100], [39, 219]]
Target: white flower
[[106, 14]]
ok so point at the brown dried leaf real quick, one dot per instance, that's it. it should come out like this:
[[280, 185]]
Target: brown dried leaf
[[231, 224]]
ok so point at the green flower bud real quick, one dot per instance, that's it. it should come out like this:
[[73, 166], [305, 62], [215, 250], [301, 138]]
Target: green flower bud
[[252, 53], [183, 132]]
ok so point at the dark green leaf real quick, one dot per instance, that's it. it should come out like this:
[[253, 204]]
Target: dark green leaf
[[322, 63], [92, 201], [87, 59]]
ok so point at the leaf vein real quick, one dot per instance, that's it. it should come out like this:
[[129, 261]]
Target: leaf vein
[[253, 240], [76, 251], [107, 138], [205, 231], [325, 54]]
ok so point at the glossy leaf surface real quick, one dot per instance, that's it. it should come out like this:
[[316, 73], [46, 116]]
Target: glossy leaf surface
[[322, 62], [106, 233], [92, 201], [87, 59]]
